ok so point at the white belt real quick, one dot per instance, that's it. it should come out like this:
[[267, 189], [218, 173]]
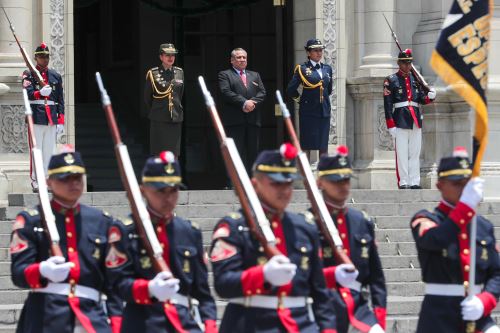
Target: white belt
[[65, 289], [438, 289], [180, 300], [270, 302], [354, 285], [401, 104], [43, 102]]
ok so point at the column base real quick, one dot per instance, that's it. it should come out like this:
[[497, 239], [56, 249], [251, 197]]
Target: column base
[[376, 175]]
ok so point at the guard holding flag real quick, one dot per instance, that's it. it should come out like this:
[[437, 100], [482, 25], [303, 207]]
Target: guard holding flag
[[47, 104], [403, 97], [162, 302], [271, 296], [66, 291], [357, 232], [443, 243]]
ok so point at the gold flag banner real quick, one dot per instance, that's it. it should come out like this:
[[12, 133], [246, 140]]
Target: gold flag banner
[[461, 60]]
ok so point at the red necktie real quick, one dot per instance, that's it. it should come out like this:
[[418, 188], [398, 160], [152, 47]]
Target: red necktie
[[243, 77]]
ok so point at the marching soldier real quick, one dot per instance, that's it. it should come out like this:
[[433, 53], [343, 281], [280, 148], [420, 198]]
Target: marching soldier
[[47, 104], [358, 237], [163, 94], [403, 97], [271, 295], [443, 244], [65, 294], [159, 302], [316, 79]]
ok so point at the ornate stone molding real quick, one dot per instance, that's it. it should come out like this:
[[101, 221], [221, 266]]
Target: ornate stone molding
[[13, 129], [330, 57], [384, 139], [57, 51]]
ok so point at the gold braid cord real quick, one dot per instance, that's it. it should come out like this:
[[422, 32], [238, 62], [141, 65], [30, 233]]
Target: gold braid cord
[[158, 94], [308, 85]]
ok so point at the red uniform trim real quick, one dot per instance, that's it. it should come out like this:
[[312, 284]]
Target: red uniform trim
[[252, 280], [329, 330], [390, 123], [211, 326], [287, 320], [37, 95], [381, 314], [410, 99], [74, 303], [173, 317], [489, 302], [343, 231], [346, 295], [32, 275], [72, 246], [60, 119], [116, 324], [427, 100], [279, 233], [140, 291], [461, 215], [161, 232], [446, 209], [329, 273]]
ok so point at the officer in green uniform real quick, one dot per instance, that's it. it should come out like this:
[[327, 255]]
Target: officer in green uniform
[[163, 93]]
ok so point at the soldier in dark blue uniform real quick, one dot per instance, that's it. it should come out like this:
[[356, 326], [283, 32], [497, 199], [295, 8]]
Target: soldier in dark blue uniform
[[158, 302], [47, 104], [66, 291], [271, 296], [443, 242], [316, 79], [357, 233], [403, 97]]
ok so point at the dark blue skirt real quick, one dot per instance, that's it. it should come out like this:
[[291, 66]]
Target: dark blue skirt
[[314, 132]]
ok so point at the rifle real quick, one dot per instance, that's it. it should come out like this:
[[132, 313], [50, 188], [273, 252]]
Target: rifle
[[139, 212], [420, 79], [47, 216], [36, 74], [322, 216], [256, 218]]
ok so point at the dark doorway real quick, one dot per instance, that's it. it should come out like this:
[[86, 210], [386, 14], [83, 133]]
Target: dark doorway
[[121, 38]]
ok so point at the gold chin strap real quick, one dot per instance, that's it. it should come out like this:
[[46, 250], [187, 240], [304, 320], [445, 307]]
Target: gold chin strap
[[309, 85], [165, 94]]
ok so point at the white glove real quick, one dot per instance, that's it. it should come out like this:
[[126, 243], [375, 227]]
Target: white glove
[[432, 93], [376, 329], [345, 274], [60, 129], [392, 132], [163, 286], [472, 308], [473, 192], [279, 271], [56, 269], [46, 91]]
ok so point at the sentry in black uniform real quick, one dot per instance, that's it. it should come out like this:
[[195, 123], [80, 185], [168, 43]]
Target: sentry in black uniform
[[316, 79], [65, 292], [271, 296], [357, 233], [403, 98], [131, 271], [443, 244]]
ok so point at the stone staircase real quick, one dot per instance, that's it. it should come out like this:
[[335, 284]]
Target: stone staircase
[[391, 211]]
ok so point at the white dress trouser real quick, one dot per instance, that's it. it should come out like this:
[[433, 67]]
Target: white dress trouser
[[408, 145], [45, 136]]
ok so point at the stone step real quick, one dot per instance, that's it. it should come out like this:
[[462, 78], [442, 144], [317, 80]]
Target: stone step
[[403, 222], [9, 313]]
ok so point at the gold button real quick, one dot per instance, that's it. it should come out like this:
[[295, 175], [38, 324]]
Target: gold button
[[342, 235], [72, 265], [466, 251], [466, 283], [249, 292], [363, 241], [278, 240], [346, 251], [71, 249], [72, 281], [469, 214], [261, 249], [167, 305], [187, 253], [283, 293], [97, 241], [466, 268], [344, 295], [303, 249], [162, 245], [340, 221], [464, 236], [158, 229], [462, 221], [274, 224], [138, 301], [483, 242], [69, 234], [68, 220], [258, 291], [71, 295]]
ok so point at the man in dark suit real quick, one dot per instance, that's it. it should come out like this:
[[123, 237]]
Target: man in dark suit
[[242, 94]]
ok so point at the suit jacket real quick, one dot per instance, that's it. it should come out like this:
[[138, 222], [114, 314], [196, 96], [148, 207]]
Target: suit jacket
[[234, 94]]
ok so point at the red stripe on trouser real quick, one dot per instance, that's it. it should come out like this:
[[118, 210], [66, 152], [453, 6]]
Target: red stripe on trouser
[[173, 317], [349, 302], [74, 302], [412, 111], [287, 320], [396, 153]]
